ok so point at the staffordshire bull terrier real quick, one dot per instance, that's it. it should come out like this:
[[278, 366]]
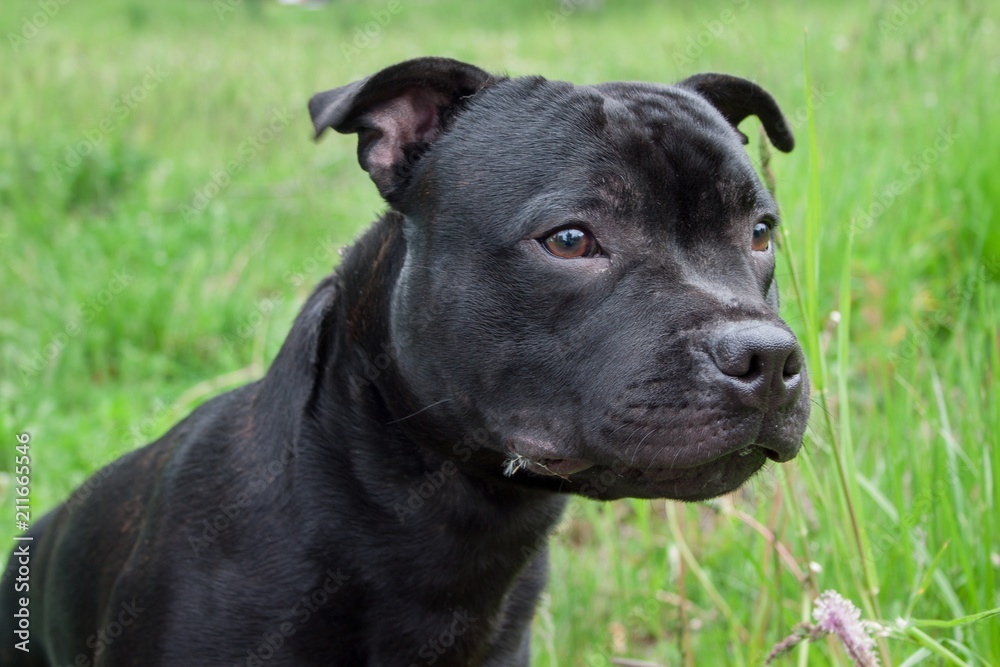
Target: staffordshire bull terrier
[[572, 291]]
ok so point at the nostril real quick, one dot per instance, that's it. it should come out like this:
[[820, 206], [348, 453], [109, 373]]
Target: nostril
[[754, 368], [739, 364], [738, 360], [760, 359], [793, 365], [777, 457]]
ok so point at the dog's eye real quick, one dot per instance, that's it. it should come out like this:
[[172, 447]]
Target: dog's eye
[[571, 243], [761, 236]]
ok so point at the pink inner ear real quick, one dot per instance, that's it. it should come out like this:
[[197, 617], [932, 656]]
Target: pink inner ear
[[407, 118]]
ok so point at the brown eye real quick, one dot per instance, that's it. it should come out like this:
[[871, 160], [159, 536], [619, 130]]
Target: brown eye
[[761, 236], [571, 243]]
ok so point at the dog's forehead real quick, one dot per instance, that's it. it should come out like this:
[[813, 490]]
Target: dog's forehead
[[624, 144], [668, 121], [654, 105], [668, 134], [634, 121]]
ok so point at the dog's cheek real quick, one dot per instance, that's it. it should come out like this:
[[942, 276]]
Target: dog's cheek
[[436, 351], [412, 331], [771, 296]]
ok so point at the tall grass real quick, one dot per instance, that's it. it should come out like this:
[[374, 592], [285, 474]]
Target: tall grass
[[890, 219]]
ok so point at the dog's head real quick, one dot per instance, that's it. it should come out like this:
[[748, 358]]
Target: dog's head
[[588, 275]]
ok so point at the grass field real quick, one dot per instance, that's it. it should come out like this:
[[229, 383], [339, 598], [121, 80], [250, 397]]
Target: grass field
[[151, 260]]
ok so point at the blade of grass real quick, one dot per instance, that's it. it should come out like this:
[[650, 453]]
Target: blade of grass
[[736, 630], [813, 217], [933, 646], [844, 448], [928, 576], [955, 622], [916, 658], [842, 451]]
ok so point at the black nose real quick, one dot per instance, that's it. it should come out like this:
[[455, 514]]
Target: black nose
[[760, 361]]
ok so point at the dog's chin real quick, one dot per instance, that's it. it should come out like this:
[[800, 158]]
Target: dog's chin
[[613, 481]]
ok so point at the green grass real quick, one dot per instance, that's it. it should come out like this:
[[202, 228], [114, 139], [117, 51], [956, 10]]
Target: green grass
[[152, 308]]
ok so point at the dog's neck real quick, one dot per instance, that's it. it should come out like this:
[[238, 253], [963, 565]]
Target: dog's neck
[[494, 529]]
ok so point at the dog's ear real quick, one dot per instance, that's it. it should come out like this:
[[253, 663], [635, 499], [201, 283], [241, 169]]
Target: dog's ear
[[398, 113], [737, 98]]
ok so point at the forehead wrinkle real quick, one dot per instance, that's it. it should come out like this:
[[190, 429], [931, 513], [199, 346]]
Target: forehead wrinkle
[[606, 184], [615, 110], [615, 192], [637, 175], [740, 187], [677, 165]]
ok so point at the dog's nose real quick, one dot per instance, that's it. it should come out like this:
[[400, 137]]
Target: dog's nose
[[760, 361]]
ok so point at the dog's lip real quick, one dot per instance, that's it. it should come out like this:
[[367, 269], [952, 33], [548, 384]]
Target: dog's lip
[[563, 467], [540, 456], [667, 474], [558, 467], [708, 480]]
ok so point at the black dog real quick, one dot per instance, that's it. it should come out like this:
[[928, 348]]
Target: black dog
[[572, 292]]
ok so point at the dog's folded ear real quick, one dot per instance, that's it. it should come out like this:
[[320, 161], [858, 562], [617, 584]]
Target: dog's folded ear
[[737, 98], [398, 113]]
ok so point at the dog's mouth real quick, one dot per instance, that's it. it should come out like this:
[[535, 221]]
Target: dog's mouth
[[617, 479], [554, 467]]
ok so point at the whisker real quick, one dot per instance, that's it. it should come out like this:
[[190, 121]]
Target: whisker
[[636, 450], [413, 414]]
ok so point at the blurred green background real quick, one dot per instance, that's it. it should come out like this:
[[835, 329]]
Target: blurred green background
[[156, 241]]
